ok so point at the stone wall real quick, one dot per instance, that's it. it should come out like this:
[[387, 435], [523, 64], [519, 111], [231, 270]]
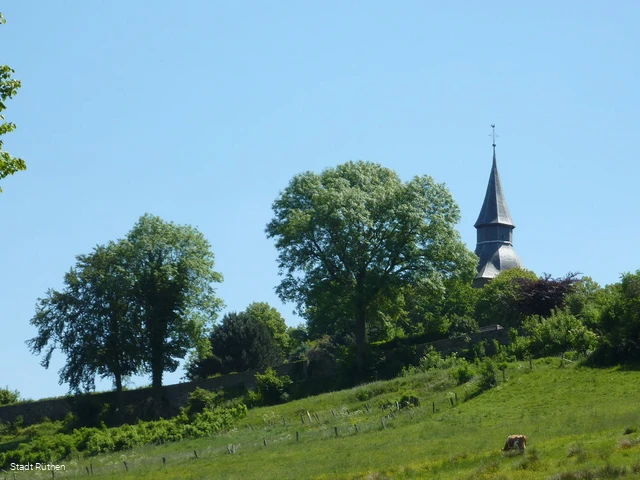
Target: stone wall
[[176, 395]]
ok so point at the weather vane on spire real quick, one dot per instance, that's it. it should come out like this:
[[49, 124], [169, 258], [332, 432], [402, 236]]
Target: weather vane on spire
[[493, 134]]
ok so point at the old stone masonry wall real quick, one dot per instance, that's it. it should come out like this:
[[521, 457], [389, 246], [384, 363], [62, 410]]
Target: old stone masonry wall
[[178, 395]]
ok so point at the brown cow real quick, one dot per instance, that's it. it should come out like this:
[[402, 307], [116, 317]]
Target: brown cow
[[515, 442]]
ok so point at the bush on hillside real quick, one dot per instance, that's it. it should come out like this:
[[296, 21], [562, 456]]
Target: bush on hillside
[[272, 388], [201, 399], [93, 441], [488, 375], [9, 396]]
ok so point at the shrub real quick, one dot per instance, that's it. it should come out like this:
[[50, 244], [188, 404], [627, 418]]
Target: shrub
[[8, 396], [272, 388], [431, 359], [488, 375], [201, 399], [558, 333], [463, 372]]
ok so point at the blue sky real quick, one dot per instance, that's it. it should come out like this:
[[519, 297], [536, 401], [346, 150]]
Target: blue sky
[[202, 111]]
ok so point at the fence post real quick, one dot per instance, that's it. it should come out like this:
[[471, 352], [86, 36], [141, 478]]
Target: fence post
[[302, 419], [434, 406], [335, 429], [126, 468], [164, 462], [356, 425], [264, 440], [195, 453], [297, 437]]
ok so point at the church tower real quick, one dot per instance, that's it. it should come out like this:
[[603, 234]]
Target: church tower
[[495, 231]]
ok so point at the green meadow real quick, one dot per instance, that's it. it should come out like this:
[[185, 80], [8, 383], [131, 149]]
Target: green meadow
[[581, 424]]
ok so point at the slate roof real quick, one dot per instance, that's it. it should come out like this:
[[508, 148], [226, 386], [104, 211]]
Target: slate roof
[[495, 255], [494, 209], [496, 258]]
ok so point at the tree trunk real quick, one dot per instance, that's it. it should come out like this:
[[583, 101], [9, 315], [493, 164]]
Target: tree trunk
[[118, 382], [361, 340], [157, 369]]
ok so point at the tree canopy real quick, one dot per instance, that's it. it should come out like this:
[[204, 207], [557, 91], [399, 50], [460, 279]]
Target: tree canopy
[[136, 305], [8, 88], [173, 268], [619, 323], [240, 342], [350, 238], [91, 321]]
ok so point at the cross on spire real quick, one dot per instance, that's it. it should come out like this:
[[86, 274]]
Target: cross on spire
[[493, 134]]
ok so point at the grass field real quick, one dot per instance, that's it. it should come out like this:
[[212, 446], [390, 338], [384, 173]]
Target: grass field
[[575, 418]]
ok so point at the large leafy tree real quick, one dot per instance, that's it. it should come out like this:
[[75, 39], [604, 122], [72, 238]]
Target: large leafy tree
[[273, 320], [240, 342], [498, 301], [136, 305], [8, 88], [351, 238], [91, 321], [173, 268]]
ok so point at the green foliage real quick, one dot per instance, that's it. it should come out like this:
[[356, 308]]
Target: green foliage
[[272, 319], [92, 321], [136, 305], [322, 357], [94, 441], [351, 238], [298, 337], [560, 332], [440, 312], [498, 300], [272, 388], [619, 323], [586, 301], [201, 399], [488, 375], [240, 342], [174, 270], [584, 413], [8, 396], [463, 372], [8, 88], [431, 359]]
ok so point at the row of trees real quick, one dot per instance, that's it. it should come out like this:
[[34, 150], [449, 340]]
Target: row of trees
[[365, 257], [136, 305]]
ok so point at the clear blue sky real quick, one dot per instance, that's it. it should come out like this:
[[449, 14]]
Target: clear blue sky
[[202, 111]]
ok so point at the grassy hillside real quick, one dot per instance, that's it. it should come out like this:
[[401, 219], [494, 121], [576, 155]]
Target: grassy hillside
[[575, 419]]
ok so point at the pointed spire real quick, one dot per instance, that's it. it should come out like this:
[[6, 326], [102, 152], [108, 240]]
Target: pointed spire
[[494, 209], [494, 230]]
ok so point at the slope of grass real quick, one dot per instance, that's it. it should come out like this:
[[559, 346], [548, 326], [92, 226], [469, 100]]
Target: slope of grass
[[575, 419]]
